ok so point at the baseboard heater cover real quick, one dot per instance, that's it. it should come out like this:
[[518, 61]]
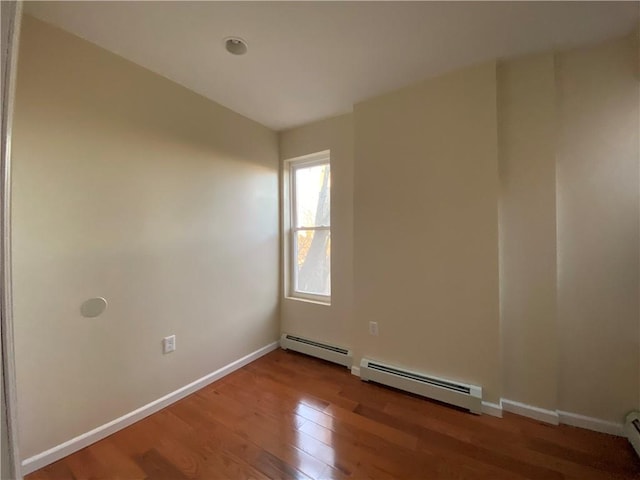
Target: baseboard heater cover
[[325, 351], [447, 391], [632, 429]]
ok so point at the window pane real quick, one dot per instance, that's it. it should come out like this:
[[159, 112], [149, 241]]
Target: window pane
[[312, 196], [313, 262]]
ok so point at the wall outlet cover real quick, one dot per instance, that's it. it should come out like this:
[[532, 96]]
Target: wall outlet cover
[[373, 328], [169, 344]]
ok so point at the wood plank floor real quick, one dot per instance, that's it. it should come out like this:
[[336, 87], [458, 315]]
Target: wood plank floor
[[289, 416]]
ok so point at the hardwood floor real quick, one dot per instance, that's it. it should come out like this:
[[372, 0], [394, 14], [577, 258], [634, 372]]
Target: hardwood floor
[[289, 416]]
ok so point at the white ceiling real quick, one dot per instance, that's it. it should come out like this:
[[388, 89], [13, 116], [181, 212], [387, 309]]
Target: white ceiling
[[310, 60]]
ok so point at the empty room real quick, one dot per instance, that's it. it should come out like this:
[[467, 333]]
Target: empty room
[[320, 240]]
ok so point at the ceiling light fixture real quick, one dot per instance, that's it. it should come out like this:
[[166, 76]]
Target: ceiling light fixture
[[235, 45]]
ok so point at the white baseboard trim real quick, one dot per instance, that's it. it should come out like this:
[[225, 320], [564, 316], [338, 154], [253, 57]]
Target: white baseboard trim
[[43, 459], [493, 409], [556, 417], [590, 423], [537, 413], [551, 417]]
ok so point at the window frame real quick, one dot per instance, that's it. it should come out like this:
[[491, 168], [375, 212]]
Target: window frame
[[291, 228]]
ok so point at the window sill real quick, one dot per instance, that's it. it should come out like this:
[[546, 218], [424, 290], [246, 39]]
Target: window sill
[[326, 303]]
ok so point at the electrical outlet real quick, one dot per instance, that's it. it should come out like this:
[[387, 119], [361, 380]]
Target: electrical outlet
[[373, 328], [169, 344]]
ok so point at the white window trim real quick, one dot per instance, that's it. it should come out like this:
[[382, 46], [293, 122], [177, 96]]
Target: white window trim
[[289, 244]]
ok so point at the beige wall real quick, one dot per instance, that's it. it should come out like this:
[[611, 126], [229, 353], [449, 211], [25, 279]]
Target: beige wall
[[569, 155], [131, 187], [426, 227], [598, 231], [527, 140], [329, 323], [565, 137]]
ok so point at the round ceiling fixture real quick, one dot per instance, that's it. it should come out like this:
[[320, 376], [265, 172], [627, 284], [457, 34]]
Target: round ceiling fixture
[[235, 45]]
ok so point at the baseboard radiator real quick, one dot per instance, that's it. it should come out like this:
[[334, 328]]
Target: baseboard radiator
[[632, 429], [325, 351], [447, 391]]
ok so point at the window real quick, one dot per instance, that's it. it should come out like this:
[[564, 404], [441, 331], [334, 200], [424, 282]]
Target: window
[[309, 240]]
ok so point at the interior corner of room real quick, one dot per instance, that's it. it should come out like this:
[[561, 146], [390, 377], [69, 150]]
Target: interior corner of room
[[486, 219]]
